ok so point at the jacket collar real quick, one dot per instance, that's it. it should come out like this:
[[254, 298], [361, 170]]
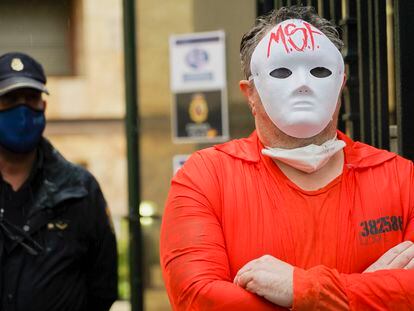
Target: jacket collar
[[357, 154], [60, 180]]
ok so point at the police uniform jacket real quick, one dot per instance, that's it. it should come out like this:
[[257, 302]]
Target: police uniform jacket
[[57, 245]]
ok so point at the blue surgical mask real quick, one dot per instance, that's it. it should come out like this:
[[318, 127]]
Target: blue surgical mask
[[21, 128]]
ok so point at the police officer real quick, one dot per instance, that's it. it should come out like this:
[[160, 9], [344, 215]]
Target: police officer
[[57, 245]]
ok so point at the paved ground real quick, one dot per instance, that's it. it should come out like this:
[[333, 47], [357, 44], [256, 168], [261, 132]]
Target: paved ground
[[155, 300]]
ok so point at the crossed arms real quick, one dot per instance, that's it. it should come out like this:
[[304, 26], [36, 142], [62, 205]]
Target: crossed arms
[[272, 279]]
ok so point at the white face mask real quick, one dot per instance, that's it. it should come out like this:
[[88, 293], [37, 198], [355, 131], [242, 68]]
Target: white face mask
[[298, 73], [309, 158]]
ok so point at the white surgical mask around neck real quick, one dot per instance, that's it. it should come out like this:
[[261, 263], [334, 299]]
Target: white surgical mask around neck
[[309, 158]]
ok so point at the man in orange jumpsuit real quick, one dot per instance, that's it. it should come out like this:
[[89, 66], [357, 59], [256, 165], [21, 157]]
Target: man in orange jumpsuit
[[297, 215]]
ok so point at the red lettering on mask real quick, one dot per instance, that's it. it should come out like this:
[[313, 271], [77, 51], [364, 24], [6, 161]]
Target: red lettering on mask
[[289, 34], [284, 34], [276, 36]]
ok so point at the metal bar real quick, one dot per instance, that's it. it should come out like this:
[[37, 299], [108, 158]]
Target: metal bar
[[372, 74], [278, 4], [335, 10], [264, 6], [350, 99], [259, 8], [381, 84], [363, 71], [323, 9], [335, 14], [313, 3], [404, 68], [136, 254], [391, 75]]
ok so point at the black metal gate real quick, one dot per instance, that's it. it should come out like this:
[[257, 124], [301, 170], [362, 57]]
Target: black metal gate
[[379, 54]]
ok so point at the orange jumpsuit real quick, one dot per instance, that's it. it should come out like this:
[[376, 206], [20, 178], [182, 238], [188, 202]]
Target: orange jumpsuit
[[229, 204]]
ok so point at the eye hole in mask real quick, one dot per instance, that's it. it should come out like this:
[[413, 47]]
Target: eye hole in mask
[[281, 73], [321, 72]]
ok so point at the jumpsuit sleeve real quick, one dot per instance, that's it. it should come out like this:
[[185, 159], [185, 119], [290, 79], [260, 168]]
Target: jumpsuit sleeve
[[192, 247], [322, 288], [102, 267]]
